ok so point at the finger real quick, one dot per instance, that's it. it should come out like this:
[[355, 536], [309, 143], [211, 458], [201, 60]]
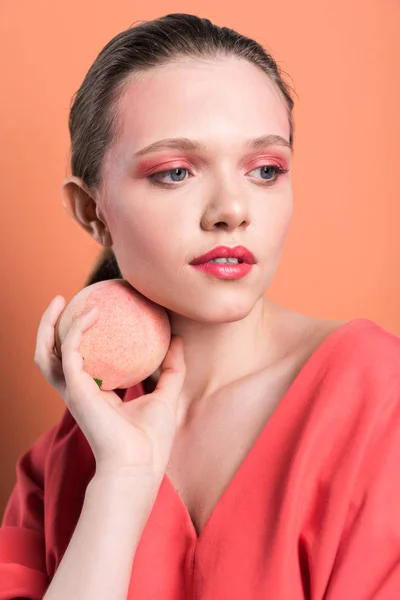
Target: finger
[[72, 360], [44, 352], [173, 370]]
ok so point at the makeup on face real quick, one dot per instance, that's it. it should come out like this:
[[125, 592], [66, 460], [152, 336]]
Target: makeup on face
[[164, 163], [224, 271], [195, 151]]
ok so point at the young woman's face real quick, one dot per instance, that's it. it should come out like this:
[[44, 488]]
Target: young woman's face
[[225, 193]]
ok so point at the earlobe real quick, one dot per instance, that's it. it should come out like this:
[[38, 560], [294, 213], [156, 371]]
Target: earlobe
[[81, 206]]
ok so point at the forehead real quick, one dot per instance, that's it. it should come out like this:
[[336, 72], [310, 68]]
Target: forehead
[[214, 100]]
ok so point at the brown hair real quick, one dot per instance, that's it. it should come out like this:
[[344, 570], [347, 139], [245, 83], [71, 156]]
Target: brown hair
[[93, 121]]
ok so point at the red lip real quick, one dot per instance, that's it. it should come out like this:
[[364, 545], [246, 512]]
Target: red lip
[[239, 252]]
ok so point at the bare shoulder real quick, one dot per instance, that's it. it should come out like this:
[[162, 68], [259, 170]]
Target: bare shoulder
[[319, 329], [302, 334]]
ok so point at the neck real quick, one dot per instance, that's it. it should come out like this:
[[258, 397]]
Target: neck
[[217, 354]]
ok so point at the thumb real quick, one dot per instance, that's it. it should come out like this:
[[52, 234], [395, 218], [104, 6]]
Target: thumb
[[173, 371]]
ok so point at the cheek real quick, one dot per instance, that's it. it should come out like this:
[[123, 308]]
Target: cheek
[[130, 226], [141, 241], [285, 224], [278, 224], [148, 244]]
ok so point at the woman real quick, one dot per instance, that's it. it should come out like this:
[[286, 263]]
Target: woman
[[260, 461]]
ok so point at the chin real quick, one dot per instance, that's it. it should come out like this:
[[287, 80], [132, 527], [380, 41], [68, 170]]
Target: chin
[[224, 313]]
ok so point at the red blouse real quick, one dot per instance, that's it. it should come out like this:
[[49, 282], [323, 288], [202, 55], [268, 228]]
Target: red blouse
[[312, 513]]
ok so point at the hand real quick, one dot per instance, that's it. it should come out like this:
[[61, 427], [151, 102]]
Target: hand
[[134, 437]]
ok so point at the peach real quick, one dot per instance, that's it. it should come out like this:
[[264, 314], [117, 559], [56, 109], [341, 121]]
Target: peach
[[129, 339]]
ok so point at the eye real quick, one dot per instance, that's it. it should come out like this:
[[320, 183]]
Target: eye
[[268, 170], [179, 173]]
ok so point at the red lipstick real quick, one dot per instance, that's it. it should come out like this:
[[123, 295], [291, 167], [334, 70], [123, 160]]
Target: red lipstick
[[240, 252], [225, 270]]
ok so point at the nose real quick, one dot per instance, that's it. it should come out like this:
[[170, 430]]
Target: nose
[[228, 209]]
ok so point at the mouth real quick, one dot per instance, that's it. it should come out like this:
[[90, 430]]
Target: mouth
[[226, 256]]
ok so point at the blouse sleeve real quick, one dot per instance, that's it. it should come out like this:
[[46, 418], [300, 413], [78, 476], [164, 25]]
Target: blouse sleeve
[[22, 543], [367, 563]]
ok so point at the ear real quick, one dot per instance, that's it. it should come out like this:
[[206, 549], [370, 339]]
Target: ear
[[81, 205]]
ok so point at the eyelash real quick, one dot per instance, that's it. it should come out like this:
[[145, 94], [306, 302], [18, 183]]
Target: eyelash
[[152, 178]]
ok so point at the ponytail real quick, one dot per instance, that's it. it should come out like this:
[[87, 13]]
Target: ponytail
[[106, 267]]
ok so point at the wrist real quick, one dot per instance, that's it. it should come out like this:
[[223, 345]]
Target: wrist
[[136, 481]]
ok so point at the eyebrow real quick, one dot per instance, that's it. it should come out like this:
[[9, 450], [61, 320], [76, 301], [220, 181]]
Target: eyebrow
[[262, 141]]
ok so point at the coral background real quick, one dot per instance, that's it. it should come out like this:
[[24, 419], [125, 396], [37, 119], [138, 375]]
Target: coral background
[[342, 255]]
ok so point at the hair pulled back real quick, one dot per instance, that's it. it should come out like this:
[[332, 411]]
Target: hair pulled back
[[93, 120]]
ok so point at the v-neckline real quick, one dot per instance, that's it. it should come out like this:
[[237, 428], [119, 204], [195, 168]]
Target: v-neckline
[[327, 345]]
